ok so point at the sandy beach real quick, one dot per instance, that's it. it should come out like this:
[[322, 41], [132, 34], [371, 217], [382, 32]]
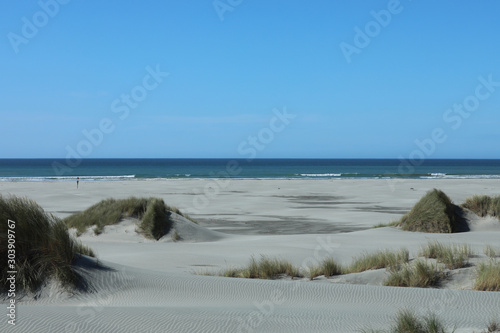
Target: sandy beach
[[152, 286]]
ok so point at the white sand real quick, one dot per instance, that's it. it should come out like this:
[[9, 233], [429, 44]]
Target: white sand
[[150, 286]]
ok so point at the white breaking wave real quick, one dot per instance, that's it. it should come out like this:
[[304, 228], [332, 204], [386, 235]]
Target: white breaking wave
[[65, 178], [445, 176], [321, 174]]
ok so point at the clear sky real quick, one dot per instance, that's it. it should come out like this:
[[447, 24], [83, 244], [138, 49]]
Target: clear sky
[[350, 79]]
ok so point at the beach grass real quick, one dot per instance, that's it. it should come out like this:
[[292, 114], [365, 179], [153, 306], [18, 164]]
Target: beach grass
[[495, 207], [483, 205], [434, 213], [407, 321], [380, 259], [272, 268], [156, 220], [419, 274], [153, 213], [43, 248], [479, 204], [452, 256], [328, 267], [107, 212], [488, 277], [269, 268], [490, 251], [493, 326], [265, 268]]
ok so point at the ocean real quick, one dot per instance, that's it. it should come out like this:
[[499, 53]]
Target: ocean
[[140, 169]]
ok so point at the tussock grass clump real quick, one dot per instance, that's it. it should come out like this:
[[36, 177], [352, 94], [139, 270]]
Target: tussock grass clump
[[107, 212], [153, 213], [495, 207], [479, 204], [408, 322], [156, 220], [265, 268], [483, 205], [43, 247], [490, 251], [488, 277], [433, 213], [419, 275], [328, 267], [452, 256], [381, 259], [493, 326]]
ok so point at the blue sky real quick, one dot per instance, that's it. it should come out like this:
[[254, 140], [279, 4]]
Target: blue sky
[[66, 68]]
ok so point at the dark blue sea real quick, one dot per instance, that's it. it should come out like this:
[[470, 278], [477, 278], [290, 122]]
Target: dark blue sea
[[140, 169]]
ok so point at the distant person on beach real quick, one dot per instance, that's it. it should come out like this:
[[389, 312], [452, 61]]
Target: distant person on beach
[[77, 181]]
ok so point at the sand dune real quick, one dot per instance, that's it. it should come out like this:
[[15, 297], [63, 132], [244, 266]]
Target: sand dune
[[149, 286], [132, 300]]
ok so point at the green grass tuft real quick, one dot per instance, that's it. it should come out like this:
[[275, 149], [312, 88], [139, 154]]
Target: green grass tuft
[[43, 247], [483, 205], [494, 209], [479, 204], [107, 212], [493, 326], [328, 267], [153, 213], [491, 252], [452, 256], [156, 220], [433, 213], [381, 259], [419, 275], [265, 268], [488, 277], [407, 322]]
